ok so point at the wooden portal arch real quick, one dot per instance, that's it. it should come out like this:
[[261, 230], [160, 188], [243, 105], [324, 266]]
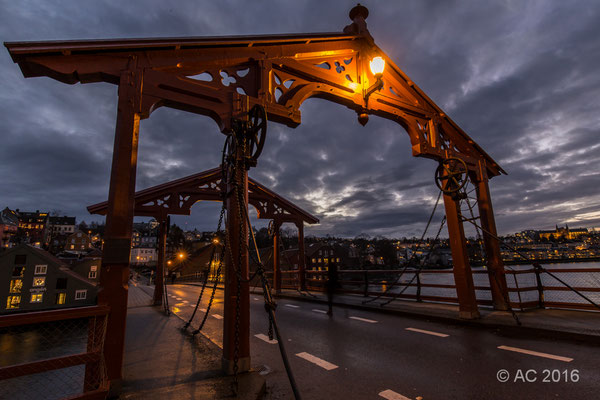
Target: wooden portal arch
[[277, 72]]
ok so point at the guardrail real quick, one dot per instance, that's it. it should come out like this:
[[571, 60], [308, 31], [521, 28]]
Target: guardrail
[[55, 354], [527, 287]]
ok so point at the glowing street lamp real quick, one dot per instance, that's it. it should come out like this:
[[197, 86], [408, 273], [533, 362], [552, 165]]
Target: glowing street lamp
[[181, 255], [377, 65]]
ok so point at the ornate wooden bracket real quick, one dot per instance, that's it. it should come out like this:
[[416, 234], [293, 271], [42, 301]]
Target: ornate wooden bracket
[[224, 77]]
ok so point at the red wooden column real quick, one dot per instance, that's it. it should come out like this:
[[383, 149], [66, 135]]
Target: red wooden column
[[119, 220], [301, 255], [160, 262], [495, 264], [463, 278], [234, 225], [277, 256]]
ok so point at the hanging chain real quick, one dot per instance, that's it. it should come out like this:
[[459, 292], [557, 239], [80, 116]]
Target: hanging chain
[[413, 256], [491, 271]]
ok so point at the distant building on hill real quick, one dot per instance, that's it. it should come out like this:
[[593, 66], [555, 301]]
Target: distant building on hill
[[565, 233]]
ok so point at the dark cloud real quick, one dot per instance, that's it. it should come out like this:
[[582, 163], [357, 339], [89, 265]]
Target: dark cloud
[[520, 77]]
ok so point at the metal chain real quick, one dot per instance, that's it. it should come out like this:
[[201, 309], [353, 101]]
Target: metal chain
[[492, 271], [396, 295], [412, 257]]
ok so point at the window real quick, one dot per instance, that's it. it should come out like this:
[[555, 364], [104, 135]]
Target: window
[[13, 302], [61, 283], [20, 259], [320, 252], [314, 260], [39, 281], [94, 268], [41, 269], [16, 285], [337, 260], [92, 275], [36, 297], [72, 246], [18, 271], [80, 294], [326, 260], [61, 298], [319, 260]]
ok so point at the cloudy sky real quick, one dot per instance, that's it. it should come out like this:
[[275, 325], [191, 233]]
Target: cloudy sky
[[520, 77]]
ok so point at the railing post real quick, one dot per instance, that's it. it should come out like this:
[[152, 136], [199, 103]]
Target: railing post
[[159, 281], [93, 372], [301, 255], [366, 276], [277, 257], [419, 287], [540, 286]]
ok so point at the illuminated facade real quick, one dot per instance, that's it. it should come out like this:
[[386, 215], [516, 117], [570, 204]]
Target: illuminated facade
[[32, 279], [565, 233]]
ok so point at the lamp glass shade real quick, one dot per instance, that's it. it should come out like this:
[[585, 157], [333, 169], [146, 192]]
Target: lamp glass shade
[[377, 65]]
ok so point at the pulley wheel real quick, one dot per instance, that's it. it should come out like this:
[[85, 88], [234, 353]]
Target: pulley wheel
[[451, 175]]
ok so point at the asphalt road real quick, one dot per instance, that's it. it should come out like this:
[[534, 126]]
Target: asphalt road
[[365, 355]]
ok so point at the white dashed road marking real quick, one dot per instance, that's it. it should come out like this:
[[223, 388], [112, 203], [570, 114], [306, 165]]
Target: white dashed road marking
[[316, 360], [320, 311], [185, 301], [427, 332], [178, 298], [371, 321], [217, 316], [535, 353], [391, 395], [265, 338], [292, 306]]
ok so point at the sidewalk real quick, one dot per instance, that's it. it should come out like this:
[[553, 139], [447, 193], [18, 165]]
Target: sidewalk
[[564, 324], [164, 362]]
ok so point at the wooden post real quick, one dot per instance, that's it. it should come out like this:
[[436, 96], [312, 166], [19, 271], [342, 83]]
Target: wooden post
[[301, 255], [235, 223], [119, 219], [495, 264], [160, 262], [463, 278], [277, 257]]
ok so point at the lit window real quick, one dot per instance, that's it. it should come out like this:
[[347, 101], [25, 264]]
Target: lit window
[[16, 285], [337, 260], [13, 302], [92, 275], [314, 260], [61, 298], [72, 247], [319, 260], [18, 271], [39, 281], [326, 260], [94, 268], [41, 269], [36, 297], [80, 294]]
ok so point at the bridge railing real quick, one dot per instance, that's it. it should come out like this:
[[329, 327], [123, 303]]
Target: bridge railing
[[55, 354], [527, 287]]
